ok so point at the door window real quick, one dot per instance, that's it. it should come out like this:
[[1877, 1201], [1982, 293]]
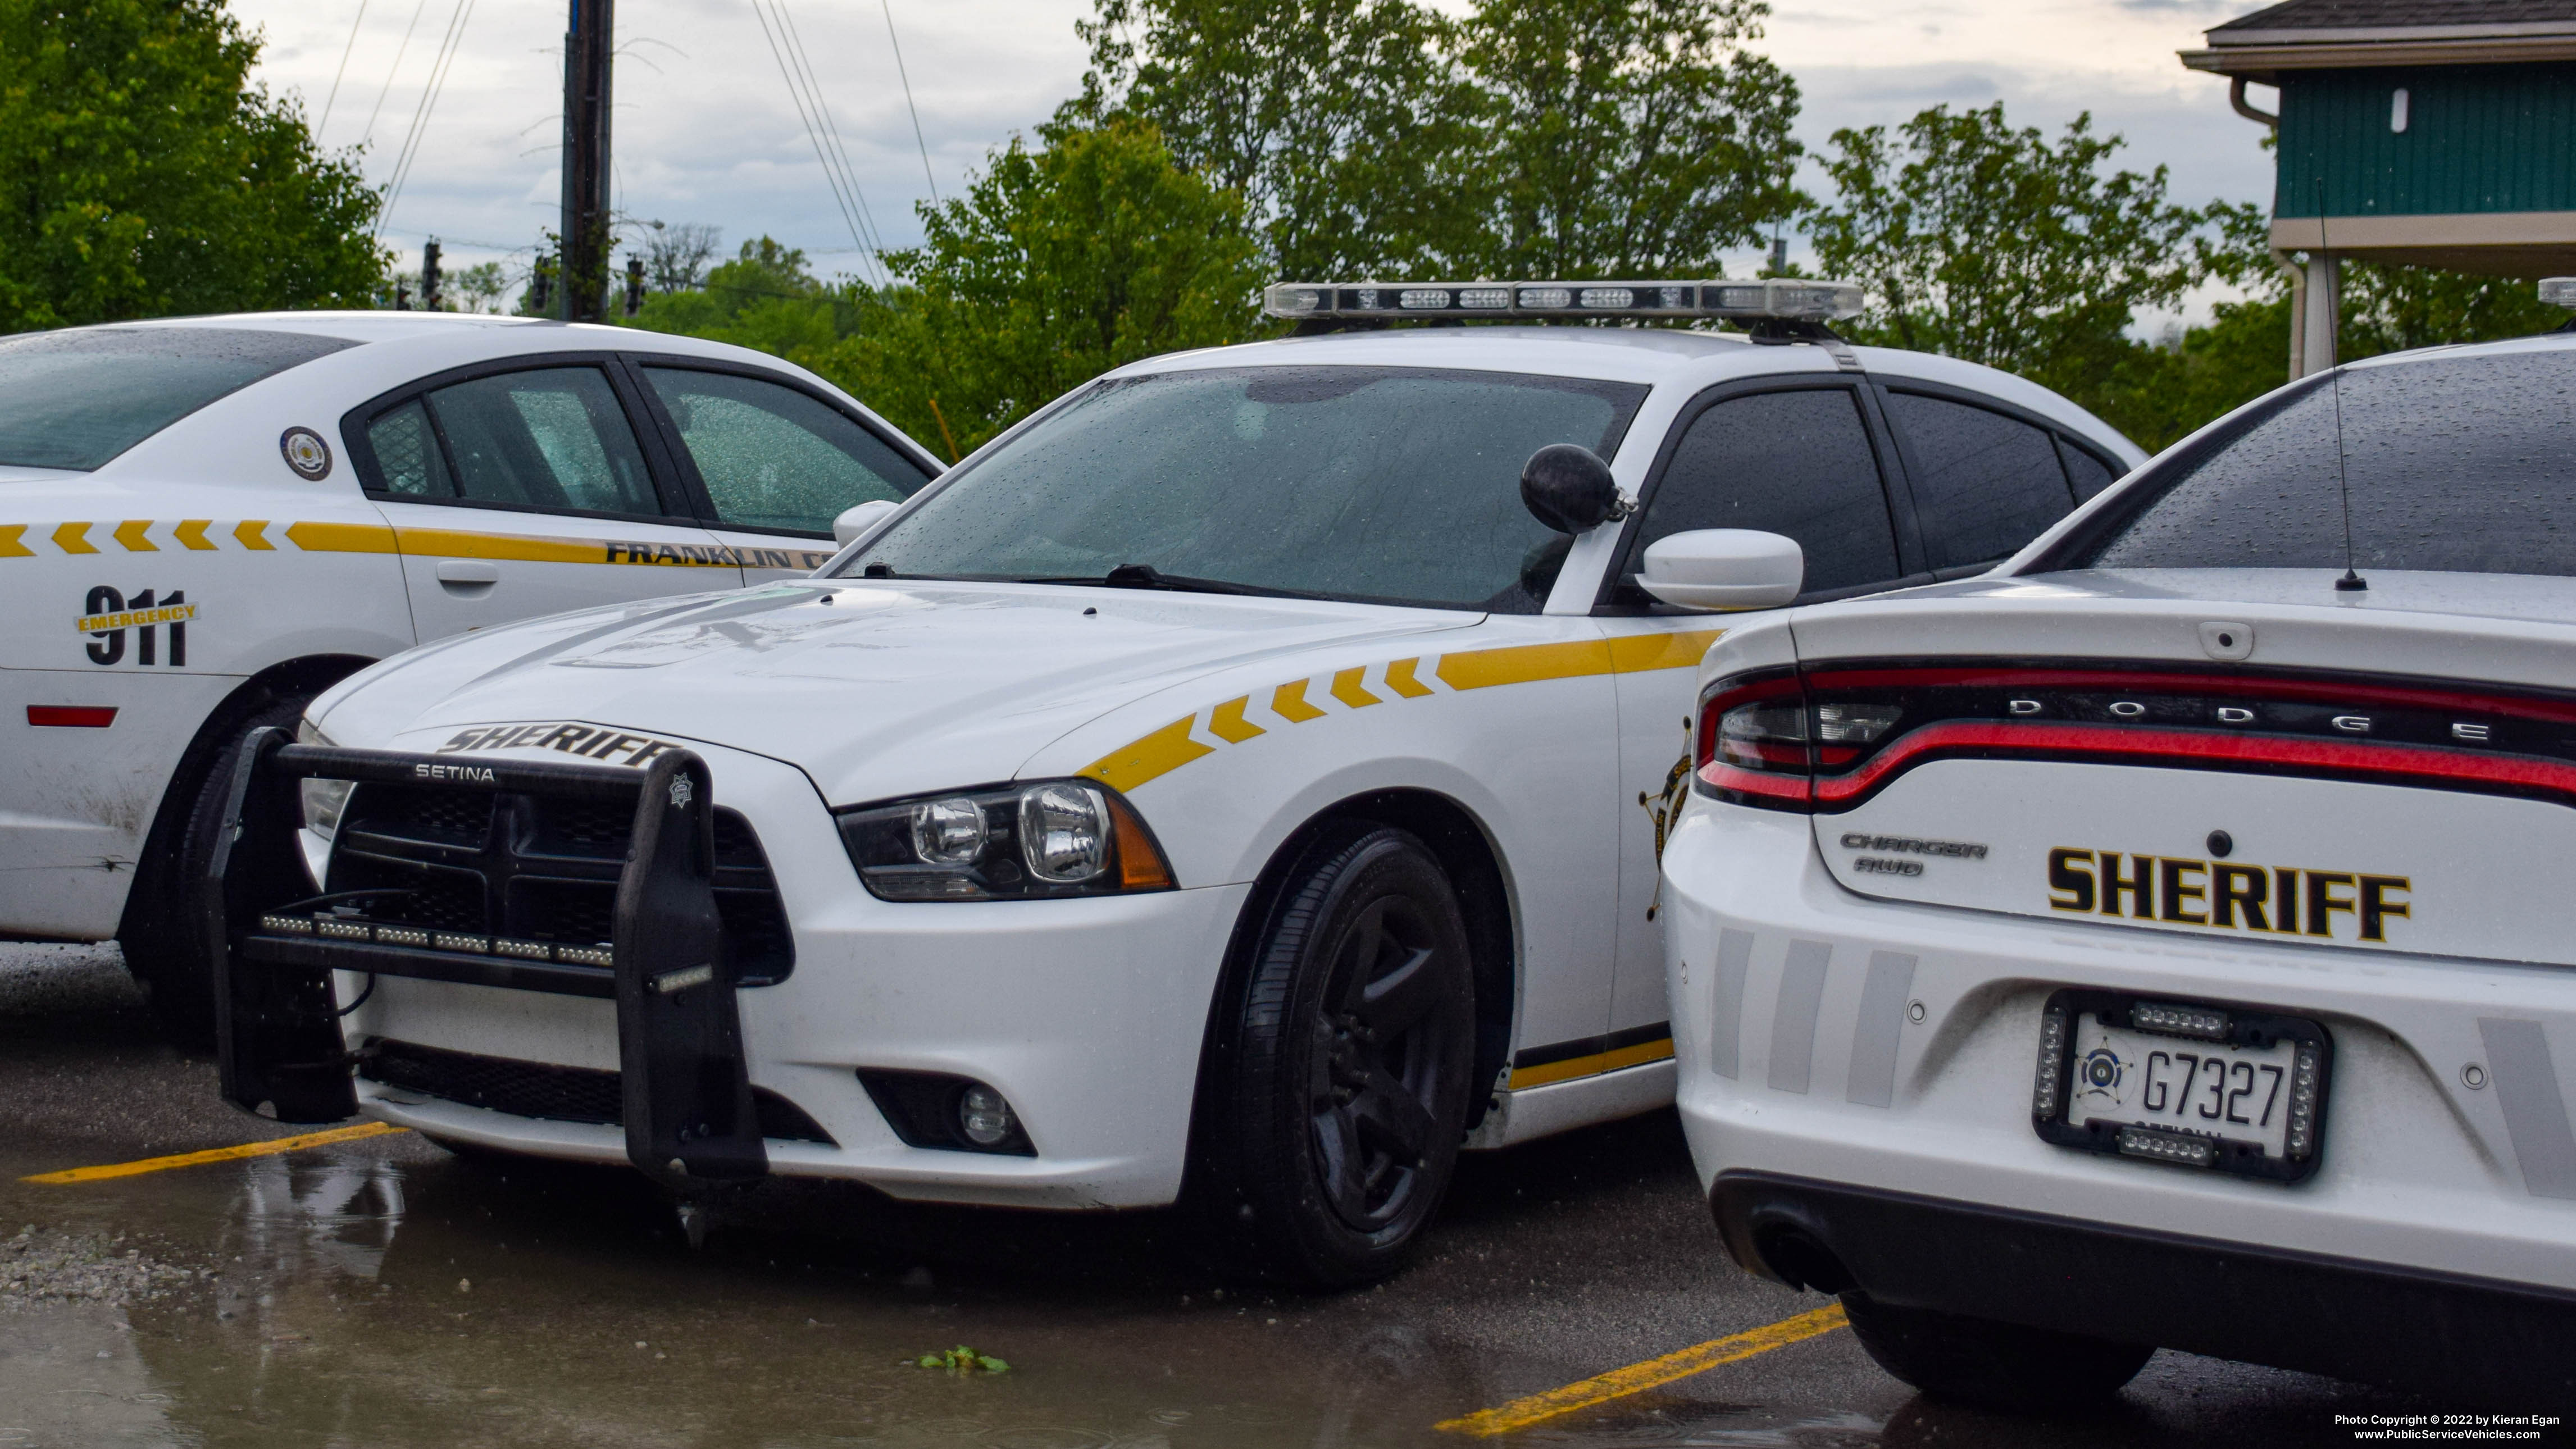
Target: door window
[[2089, 474], [1985, 484], [1796, 463], [776, 458], [553, 439]]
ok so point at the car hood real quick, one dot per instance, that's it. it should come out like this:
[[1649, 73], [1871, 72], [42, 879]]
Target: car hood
[[874, 688]]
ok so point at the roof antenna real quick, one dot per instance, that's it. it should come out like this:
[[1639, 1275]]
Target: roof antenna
[[2351, 582]]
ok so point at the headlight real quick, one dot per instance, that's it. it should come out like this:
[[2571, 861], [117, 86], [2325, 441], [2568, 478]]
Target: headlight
[[323, 799], [1016, 842]]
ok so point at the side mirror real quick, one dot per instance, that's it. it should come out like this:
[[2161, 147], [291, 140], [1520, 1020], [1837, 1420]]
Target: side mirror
[[858, 519], [1724, 568], [1568, 488]]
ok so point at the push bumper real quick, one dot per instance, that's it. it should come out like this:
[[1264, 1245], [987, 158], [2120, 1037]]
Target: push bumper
[[687, 1106]]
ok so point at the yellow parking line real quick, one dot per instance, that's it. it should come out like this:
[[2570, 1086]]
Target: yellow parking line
[[219, 1154], [1636, 1378]]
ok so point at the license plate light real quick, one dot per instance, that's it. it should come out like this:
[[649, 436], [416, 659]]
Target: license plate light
[[2234, 1089]]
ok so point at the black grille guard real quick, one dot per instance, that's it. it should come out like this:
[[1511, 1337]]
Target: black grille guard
[[689, 1115]]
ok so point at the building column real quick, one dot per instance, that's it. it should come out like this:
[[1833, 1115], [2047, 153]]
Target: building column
[[2320, 303]]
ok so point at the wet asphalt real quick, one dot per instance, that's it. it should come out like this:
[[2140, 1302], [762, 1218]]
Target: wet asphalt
[[383, 1292]]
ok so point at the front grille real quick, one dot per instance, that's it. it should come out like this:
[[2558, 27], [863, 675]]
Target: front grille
[[538, 868], [551, 1093]]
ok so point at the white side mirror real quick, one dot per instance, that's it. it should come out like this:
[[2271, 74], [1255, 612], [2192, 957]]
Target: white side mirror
[[858, 519], [1724, 568]]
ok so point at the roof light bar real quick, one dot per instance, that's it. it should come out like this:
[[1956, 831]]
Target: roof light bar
[[2554, 292], [1789, 298]]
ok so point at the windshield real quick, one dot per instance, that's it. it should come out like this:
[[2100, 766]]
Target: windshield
[[1395, 485], [2463, 464], [77, 399]]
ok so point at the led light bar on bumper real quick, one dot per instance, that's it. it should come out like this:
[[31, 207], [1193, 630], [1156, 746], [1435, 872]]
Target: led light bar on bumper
[[1015, 842], [1774, 298]]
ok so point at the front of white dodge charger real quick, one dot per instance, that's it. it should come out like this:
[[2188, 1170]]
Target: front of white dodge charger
[[2164, 942]]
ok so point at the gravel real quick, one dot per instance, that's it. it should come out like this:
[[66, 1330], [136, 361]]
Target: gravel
[[54, 1267]]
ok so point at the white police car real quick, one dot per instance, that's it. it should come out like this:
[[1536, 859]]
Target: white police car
[[2165, 940], [1230, 748], [205, 522]]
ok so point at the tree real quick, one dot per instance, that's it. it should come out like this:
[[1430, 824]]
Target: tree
[[142, 173], [2390, 308], [1626, 138], [1993, 245], [764, 298], [1060, 262], [1344, 125], [481, 286], [676, 256]]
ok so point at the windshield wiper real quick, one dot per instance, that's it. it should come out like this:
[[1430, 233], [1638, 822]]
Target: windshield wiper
[[1146, 576]]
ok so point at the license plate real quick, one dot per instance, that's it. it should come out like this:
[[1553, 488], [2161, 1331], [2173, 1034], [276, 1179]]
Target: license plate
[[2191, 1084]]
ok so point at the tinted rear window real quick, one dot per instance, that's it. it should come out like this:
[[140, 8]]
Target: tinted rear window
[[2459, 464], [77, 399]]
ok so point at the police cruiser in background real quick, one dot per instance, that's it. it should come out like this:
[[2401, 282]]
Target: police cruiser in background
[[1272, 743], [2165, 940], [205, 522]]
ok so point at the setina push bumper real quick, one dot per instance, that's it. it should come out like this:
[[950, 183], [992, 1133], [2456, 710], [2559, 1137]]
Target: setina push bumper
[[689, 1113]]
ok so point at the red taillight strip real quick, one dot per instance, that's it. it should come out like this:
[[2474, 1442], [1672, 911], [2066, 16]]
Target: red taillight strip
[[72, 716], [2252, 686], [2203, 749], [1722, 776]]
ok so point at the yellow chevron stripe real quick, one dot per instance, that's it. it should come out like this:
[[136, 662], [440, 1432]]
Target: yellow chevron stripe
[[341, 537], [191, 533], [130, 533], [1288, 702], [74, 538], [1524, 664], [1346, 688], [1156, 755], [1399, 677], [1227, 723], [1638, 653], [10, 547], [248, 531]]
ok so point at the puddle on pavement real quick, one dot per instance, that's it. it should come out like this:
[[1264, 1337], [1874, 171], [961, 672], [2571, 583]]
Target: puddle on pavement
[[361, 1300]]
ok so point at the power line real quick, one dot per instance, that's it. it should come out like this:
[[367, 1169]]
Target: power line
[[814, 135], [439, 67], [354, 27], [399, 52], [917, 138], [831, 127]]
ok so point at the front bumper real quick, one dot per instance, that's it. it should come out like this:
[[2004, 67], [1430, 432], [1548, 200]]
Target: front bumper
[[1086, 1014], [1876, 1048]]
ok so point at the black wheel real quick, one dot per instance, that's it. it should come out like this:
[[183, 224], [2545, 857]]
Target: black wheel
[[159, 932], [1997, 1365], [1338, 1103]]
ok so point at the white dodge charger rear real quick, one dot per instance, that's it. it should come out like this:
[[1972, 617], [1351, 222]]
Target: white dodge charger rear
[[2170, 939]]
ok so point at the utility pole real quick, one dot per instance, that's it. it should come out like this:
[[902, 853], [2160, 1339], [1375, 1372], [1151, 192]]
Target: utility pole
[[586, 227]]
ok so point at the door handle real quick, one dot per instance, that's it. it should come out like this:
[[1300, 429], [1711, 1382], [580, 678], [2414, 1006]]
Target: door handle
[[467, 571]]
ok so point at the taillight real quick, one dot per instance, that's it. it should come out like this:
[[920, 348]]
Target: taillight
[[1753, 744]]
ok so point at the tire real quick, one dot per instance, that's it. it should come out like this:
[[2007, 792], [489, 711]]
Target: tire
[[159, 932], [1337, 1097], [1994, 1365]]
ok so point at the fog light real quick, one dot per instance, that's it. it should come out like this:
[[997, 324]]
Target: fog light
[[984, 1117]]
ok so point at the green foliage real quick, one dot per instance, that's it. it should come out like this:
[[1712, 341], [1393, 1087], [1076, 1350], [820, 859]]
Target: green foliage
[[1623, 138], [480, 287], [962, 1360], [1341, 123], [142, 174], [1058, 264], [1991, 244], [2392, 308], [1578, 138], [764, 298]]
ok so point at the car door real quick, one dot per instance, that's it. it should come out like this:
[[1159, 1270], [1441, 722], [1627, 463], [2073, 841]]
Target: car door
[[527, 488], [771, 463], [1805, 457], [1986, 477]]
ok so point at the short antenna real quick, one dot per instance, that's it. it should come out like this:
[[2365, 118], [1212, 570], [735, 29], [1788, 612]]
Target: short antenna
[[2351, 582]]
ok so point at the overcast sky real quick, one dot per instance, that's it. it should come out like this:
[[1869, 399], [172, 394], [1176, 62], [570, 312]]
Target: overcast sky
[[706, 130]]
